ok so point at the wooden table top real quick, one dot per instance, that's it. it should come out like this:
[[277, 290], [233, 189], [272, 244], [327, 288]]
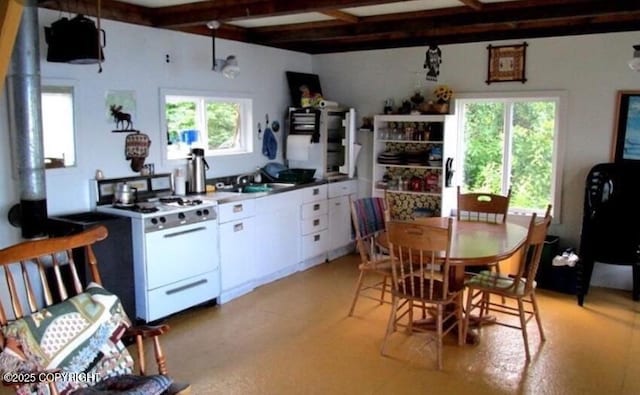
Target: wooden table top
[[480, 243]]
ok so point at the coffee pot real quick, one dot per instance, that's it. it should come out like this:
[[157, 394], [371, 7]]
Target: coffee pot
[[197, 168]]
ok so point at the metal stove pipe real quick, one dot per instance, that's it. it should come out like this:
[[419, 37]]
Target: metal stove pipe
[[25, 124]]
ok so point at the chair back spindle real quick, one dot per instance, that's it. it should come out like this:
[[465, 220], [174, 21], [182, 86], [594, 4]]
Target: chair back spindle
[[483, 207]]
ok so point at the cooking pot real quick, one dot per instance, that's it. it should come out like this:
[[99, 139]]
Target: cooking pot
[[124, 195]]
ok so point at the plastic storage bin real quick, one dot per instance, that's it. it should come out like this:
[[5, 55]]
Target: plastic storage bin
[[555, 278]]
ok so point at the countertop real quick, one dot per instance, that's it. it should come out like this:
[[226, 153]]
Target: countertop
[[225, 197]]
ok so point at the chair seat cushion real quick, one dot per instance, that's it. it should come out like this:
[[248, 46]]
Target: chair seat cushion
[[496, 282], [129, 385], [80, 335]]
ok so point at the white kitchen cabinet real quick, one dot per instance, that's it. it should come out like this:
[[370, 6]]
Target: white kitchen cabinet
[[237, 234], [313, 226], [340, 236], [410, 156], [277, 236]]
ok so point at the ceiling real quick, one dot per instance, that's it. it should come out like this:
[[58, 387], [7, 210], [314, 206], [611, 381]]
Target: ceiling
[[327, 26]]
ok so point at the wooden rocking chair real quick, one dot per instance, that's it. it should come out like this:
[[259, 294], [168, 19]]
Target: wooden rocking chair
[[59, 340]]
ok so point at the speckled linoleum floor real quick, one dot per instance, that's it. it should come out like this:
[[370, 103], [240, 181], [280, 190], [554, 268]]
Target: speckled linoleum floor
[[293, 336]]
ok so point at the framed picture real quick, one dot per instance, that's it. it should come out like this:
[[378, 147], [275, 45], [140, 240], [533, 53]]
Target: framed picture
[[626, 135], [507, 63]]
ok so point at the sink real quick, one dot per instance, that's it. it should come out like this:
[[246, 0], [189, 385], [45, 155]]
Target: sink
[[265, 187]]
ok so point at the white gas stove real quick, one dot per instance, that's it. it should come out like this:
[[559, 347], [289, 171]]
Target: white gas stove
[[175, 245]]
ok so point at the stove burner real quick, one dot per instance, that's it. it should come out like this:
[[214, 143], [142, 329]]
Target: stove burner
[[145, 209], [180, 201], [139, 209]]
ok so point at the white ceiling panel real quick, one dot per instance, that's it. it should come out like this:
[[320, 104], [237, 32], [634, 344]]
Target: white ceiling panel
[[402, 6]]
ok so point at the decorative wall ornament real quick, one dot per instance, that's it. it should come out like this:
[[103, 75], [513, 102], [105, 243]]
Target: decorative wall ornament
[[626, 137], [125, 100], [433, 59], [507, 63]]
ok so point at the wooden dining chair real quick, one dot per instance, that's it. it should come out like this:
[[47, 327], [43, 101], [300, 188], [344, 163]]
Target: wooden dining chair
[[519, 288], [484, 207], [369, 217], [419, 251], [53, 322]]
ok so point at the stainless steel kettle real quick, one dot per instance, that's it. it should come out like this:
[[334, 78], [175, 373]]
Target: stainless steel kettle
[[197, 168], [124, 195]]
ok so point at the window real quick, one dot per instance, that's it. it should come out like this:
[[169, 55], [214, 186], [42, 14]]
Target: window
[[219, 125], [58, 126], [511, 141]]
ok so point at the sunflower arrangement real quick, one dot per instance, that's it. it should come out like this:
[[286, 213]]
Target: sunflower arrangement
[[443, 93]]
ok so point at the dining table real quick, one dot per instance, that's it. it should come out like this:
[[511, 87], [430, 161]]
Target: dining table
[[476, 243]]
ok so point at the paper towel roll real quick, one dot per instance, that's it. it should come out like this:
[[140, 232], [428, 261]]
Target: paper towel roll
[[298, 146], [179, 189], [328, 103]]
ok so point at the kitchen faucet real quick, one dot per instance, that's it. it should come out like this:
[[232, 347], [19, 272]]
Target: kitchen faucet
[[243, 178]]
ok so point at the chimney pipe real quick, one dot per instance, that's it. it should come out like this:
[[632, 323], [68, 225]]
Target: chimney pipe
[[25, 124]]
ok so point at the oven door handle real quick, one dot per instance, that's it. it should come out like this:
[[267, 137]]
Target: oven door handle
[[184, 232]]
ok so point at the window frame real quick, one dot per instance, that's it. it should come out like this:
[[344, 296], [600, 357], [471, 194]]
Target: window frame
[[246, 119], [557, 167], [56, 86]]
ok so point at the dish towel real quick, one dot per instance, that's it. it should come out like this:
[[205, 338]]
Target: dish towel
[[269, 144]]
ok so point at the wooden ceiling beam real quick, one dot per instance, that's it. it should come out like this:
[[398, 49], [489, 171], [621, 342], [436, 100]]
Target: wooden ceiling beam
[[454, 36], [10, 16], [110, 9], [411, 22], [474, 4], [342, 16]]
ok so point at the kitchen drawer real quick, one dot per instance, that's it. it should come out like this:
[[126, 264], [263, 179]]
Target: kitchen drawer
[[182, 295], [235, 210], [277, 202], [315, 244], [343, 188], [315, 224], [314, 193], [314, 209]]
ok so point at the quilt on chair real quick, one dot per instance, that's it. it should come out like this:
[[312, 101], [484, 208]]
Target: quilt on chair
[[79, 335]]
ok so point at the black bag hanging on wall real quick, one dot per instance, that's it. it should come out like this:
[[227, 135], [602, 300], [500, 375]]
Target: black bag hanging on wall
[[75, 41]]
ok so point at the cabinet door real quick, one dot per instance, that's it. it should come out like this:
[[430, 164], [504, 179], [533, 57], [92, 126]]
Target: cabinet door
[[236, 252], [339, 222], [278, 235]]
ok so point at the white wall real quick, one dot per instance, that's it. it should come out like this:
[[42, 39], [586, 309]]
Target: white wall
[[590, 68], [135, 61]]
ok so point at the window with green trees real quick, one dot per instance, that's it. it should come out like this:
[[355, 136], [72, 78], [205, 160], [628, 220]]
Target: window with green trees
[[219, 125], [510, 142]]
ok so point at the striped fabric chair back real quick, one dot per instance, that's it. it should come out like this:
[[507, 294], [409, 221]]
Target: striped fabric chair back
[[368, 216]]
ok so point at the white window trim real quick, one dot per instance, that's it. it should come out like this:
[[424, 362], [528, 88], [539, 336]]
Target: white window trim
[[560, 132], [73, 85], [246, 120]]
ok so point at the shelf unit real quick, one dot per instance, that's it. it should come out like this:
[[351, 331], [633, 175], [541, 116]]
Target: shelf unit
[[417, 185]]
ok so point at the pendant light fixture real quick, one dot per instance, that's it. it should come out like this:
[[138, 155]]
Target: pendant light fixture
[[634, 64], [229, 66]]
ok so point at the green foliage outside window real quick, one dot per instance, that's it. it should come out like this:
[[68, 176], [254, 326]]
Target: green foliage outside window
[[531, 150], [223, 124], [180, 116]]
